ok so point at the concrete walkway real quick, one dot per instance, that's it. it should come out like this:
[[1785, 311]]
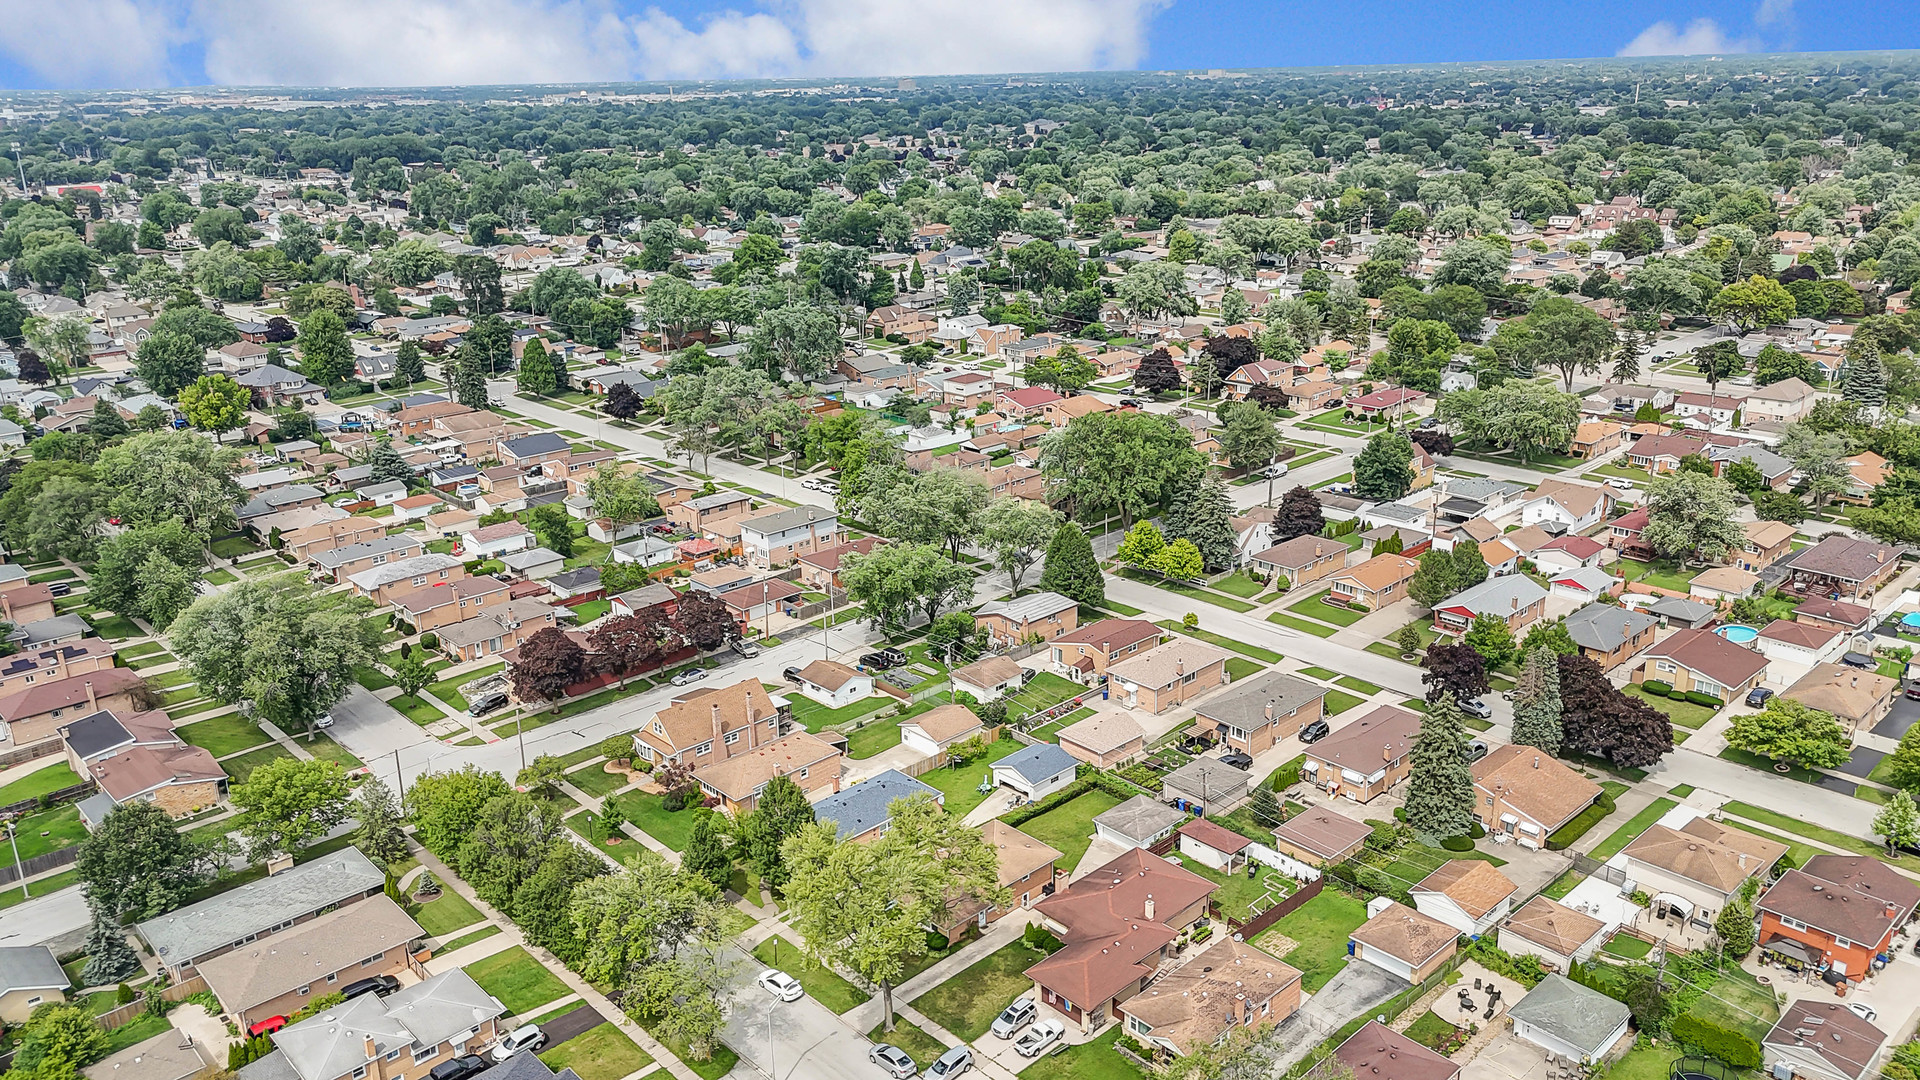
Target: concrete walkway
[[866, 1016]]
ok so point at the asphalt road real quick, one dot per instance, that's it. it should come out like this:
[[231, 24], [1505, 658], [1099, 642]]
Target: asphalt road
[[789, 1040]]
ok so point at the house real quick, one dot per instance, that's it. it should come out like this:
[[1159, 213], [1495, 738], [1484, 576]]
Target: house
[[651, 601], [705, 511], [833, 684], [36, 713], [1841, 567], [448, 602], [1365, 757], [1085, 654], [1822, 1039], [1106, 740], [1596, 439], [1865, 472], [489, 541], [1681, 612], [529, 451], [1767, 542], [1402, 942], [988, 678], [1379, 581], [1699, 864], [1513, 599], [1140, 822], [29, 977], [761, 600], [862, 811], [1255, 713], [1838, 913], [1844, 617], [711, 723], [383, 583], [305, 543], [51, 663], [26, 603], [738, 778], [1720, 409], [777, 539], [1213, 846], [1391, 402], [1783, 402], [340, 563], [1527, 795], [1168, 675], [1047, 615], [238, 917], [1207, 785], [1858, 699], [1801, 643], [433, 1021], [1568, 553], [1302, 560], [1608, 634], [136, 757], [940, 727], [1036, 771], [1026, 866], [1566, 1018], [275, 386], [1585, 585], [1117, 923], [1579, 507], [1722, 583], [280, 975], [1377, 1050], [1470, 895], [498, 629], [1318, 836], [1229, 984], [1554, 932], [820, 570], [1703, 661]]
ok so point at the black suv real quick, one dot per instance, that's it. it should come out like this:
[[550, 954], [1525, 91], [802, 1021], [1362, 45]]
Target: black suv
[[379, 984], [459, 1068], [1315, 731], [883, 659]]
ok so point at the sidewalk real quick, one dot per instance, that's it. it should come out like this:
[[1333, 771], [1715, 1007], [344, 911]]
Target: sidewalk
[[866, 1017]]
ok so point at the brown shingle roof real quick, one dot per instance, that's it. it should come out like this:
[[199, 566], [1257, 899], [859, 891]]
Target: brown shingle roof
[[739, 776], [945, 722], [829, 675], [1711, 655], [1377, 1052], [690, 720], [1854, 896], [1194, 1004], [1405, 934], [1552, 926], [1110, 941], [1475, 884], [1324, 832], [1380, 571], [1214, 836], [1537, 784], [66, 693], [1845, 692], [257, 973], [1713, 855], [1829, 1030], [1019, 853]]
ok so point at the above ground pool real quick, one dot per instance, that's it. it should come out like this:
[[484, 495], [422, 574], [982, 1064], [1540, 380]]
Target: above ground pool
[[1739, 635], [1911, 619]]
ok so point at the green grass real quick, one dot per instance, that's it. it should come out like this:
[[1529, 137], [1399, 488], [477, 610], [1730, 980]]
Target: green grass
[[145, 662], [517, 980], [649, 813], [1358, 686], [1237, 585], [1563, 885], [113, 627], [1042, 692], [923, 1048], [1765, 764], [1430, 1031], [143, 649], [1323, 674], [1321, 927], [1737, 1001], [719, 1063], [960, 785], [51, 830], [38, 783], [417, 710], [447, 913], [62, 880], [371, 678], [1339, 701], [1305, 626], [1191, 592], [1634, 826], [233, 547], [136, 1031], [1068, 828], [600, 1053], [1239, 667], [465, 940], [217, 576], [591, 610], [1681, 791], [873, 738], [1663, 575], [1627, 947], [223, 735], [239, 768], [820, 981], [326, 749], [1830, 837], [1313, 608], [1684, 713], [816, 717], [966, 1004], [1650, 1062], [1096, 1060], [596, 781]]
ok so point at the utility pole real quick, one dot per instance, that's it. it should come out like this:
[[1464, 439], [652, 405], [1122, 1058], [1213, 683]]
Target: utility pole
[[23, 170], [18, 870], [398, 780]]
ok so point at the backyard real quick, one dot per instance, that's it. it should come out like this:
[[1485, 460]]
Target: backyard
[[1068, 828], [961, 785], [1314, 938]]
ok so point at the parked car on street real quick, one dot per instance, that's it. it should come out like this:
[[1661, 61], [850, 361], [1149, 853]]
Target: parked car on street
[[691, 675], [894, 1060], [744, 647], [1476, 707], [780, 984], [883, 659], [792, 675]]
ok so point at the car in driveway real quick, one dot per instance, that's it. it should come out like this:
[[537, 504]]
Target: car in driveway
[[60, 588], [744, 647], [792, 675], [268, 1026], [894, 1060], [691, 675], [882, 659], [1315, 731], [486, 703], [325, 721], [527, 1038], [1014, 1017], [1757, 697], [378, 984], [1476, 750], [1478, 708], [1863, 1011], [780, 984], [1038, 1037], [951, 1064], [459, 1068], [1239, 759]]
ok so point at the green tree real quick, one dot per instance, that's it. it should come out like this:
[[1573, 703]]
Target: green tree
[[1123, 461], [553, 527], [1692, 516], [326, 357], [1865, 380], [1250, 439], [1383, 471], [1898, 823], [1071, 569], [542, 777], [169, 362], [137, 863], [781, 811], [653, 933], [288, 804], [894, 581], [410, 675], [109, 958], [57, 1042], [1017, 531], [1435, 579], [1180, 561], [382, 834], [106, 421], [444, 806], [537, 375], [407, 365], [1753, 303], [1735, 923], [1440, 796], [706, 855], [1536, 701], [215, 403], [1791, 732], [1140, 548], [1491, 637], [470, 384]]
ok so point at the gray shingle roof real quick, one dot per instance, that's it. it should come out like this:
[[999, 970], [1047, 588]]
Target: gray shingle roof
[[864, 805], [332, 1044], [1497, 596], [1244, 704], [1140, 818], [1029, 607], [1570, 1012], [198, 929], [1605, 627], [30, 967], [1037, 763], [95, 734], [788, 518], [545, 442]]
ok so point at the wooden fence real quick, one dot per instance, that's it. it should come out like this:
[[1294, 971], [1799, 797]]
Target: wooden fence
[[39, 864], [940, 760], [66, 794], [31, 753], [1252, 927], [113, 1018]]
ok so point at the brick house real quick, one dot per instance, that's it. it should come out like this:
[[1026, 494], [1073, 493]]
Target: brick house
[[1379, 581], [444, 604], [383, 583], [778, 538], [1229, 984], [51, 663], [1801, 919], [1854, 569], [704, 511], [1168, 675], [1527, 795], [1085, 654], [341, 563], [1302, 560], [305, 543], [1858, 699], [136, 757], [713, 723], [1704, 661], [23, 604], [1514, 599], [820, 570], [1609, 634], [1254, 714], [402, 1036], [737, 780], [1045, 614], [35, 713], [1767, 542], [316, 958], [236, 918], [1365, 757], [1470, 895], [498, 629], [1105, 740]]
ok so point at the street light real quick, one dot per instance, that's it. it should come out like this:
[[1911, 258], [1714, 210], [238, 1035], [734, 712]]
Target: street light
[[23, 169]]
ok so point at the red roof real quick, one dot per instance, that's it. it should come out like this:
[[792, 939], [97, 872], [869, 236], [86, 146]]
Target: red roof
[[1580, 547], [1031, 397], [1633, 521], [1388, 398], [1214, 836]]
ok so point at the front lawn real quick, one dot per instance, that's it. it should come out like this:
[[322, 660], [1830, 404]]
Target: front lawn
[[51, 830], [35, 784], [223, 735], [447, 913], [597, 781], [1684, 713], [1339, 701], [1314, 607], [823, 983], [239, 768], [599, 1053], [967, 1003], [418, 710], [1239, 667], [517, 980], [1320, 930], [1305, 626], [816, 717], [1241, 647], [873, 738], [1238, 585], [923, 1048], [1661, 574], [649, 813], [1068, 828], [1096, 1060]]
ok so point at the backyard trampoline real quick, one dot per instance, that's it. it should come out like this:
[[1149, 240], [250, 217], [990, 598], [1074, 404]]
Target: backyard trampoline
[[1702, 1068]]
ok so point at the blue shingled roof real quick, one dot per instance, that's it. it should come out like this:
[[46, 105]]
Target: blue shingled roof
[[863, 806], [1037, 763]]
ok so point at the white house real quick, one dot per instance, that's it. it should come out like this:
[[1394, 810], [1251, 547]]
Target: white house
[[1213, 846], [1577, 506], [491, 540], [989, 678], [1469, 895], [1801, 643], [383, 494], [834, 684], [1037, 771], [1140, 822], [1554, 932], [936, 729]]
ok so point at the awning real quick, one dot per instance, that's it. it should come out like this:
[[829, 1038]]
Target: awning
[[1678, 903], [1797, 951], [1510, 819]]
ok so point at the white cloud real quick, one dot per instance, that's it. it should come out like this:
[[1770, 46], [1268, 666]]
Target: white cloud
[[87, 42], [1774, 12], [1701, 36]]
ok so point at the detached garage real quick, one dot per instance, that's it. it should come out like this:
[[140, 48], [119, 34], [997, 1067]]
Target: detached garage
[[1568, 1019], [936, 729]]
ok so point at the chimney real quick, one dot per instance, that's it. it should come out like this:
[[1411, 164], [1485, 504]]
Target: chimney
[[279, 865], [1149, 907], [1239, 1008], [93, 702], [1179, 666], [1269, 710], [716, 720]]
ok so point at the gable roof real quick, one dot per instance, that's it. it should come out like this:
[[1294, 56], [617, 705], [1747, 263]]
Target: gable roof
[[1104, 732], [689, 720], [1848, 693], [1037, 763], [333, 1043], [1111, 942], [1502, 596], [196, 929], [863, 806], [1140, 818], [30, 967], [1406, 934], [1713, 855], [944, 722], [1535, 783], [1197, 1002], [1029, 607], [1474, 884], [1366, 744], [1110, 634], [1254, 703], [1830, 1031], [1711, 655], [263, 970], [1163, 664], [1301, 551], [1843, 895], [1377, 1052], [1572, 1013], [742, 775]]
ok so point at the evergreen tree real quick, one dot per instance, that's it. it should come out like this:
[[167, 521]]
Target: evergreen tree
[[470, 384], [407, 365], [1626, 355], [109, 958], [1265, 807], [382, 835], [1440, 784], [1209, 525], [706, 855], [1865, 383], [536, 374], [1391, 544], [1735, 923], [106, 421], [1071, 569], [388, 465], [1536, 702], [1469, 566]]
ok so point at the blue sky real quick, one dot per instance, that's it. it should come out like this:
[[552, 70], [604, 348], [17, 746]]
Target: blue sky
[[143, 43]]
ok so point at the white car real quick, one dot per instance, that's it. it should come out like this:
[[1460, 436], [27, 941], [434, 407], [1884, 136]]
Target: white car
[[691, 675], [325, 721], [811, 483], [1014, 1017], [894, 1060], [525, 1038], [1620, 483], [780, 984], [1864, 1012], [1037, 1038]]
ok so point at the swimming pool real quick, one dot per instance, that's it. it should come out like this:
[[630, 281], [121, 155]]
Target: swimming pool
[[1739, 635], [1910, 619]]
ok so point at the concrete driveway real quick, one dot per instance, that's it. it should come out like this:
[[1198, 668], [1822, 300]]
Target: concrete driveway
[[373, 730], [788, 1040]]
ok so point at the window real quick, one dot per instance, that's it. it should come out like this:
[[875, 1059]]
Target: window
[[374, 959], [303, 990], [333, 978], [393, 1055], [703, 749], [423, 1053], [32, 1001], [1843, 942], [731, 737], [1792, 924], [360, 1073], [1664, 665], [803, 772]]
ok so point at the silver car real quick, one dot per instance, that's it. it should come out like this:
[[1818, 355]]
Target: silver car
[[894, 1060], [1014, 1017]]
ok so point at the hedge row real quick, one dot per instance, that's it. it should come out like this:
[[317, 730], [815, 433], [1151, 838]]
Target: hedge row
[[1736, 1048], [1586, 819], [1657, 687]]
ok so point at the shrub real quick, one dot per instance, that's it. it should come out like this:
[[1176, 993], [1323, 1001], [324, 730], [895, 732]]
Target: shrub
[[1477, 832], [1676, 695], [1707, 700], [1580, 823], [1657, 687], [1736, 1048], [430, 641], [1457, 843]]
